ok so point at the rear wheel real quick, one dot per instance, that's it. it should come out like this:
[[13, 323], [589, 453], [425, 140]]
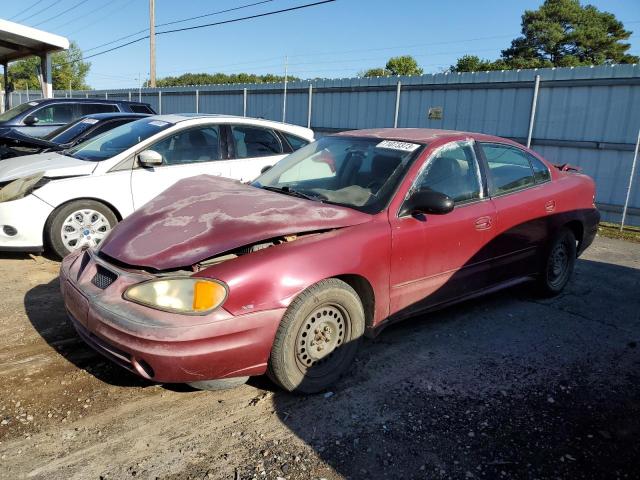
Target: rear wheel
[[559, 263], [318, 337], [78, 224]]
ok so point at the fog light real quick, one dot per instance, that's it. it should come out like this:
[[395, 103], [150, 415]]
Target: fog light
[[9, 230]]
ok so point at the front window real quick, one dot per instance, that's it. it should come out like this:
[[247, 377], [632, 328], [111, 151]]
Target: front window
[[360, 173], [15, 111], [118, 140], [55, 114]]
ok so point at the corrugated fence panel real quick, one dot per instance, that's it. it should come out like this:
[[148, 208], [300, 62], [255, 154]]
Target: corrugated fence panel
[[585, 116]]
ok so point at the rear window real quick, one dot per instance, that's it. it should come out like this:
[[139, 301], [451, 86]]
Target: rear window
[[91, 108], [296, 142], [141, 109]]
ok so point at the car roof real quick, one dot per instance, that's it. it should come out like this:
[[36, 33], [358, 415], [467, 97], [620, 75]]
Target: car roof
[[419, 135], [85, 100], [110, 115]]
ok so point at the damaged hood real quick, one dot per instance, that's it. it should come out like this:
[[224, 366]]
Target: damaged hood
[[51, 163], [201, 217], [13, 138]]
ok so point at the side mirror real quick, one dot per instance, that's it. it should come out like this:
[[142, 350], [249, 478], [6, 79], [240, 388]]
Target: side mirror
[[149, 158], [427, 201], [31, 120]]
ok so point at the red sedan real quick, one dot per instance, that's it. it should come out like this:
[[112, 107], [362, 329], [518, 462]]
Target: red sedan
[[214, 281]]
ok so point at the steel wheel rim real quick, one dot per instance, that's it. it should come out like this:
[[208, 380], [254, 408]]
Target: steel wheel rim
[[558, 264], [84, 228], [320, 338]]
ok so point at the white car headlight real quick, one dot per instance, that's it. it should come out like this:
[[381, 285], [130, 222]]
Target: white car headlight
[[192, 296], [22, 187]]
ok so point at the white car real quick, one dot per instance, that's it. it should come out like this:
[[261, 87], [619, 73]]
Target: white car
[[71, 199]]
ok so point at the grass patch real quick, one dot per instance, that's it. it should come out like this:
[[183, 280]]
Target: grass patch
[[612, 230]]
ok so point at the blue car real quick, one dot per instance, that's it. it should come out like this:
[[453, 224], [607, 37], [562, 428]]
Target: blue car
[[40, 117], [14, 143]]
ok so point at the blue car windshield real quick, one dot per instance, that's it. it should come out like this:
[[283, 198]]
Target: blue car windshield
[[71, 131], [15, 111], [117, 140]]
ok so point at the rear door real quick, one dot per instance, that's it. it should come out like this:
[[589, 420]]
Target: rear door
[[187, 153], [523, 204], [439, 258], [253, 149]]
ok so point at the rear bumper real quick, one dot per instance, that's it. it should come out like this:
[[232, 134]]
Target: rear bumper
[[590, 222], [164, 347]]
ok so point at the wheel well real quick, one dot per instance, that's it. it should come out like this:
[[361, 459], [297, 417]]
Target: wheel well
[[62, 205], [364, 290], [577, 229]]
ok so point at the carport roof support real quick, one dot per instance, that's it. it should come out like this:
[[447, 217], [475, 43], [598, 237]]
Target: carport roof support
[[19, 41]]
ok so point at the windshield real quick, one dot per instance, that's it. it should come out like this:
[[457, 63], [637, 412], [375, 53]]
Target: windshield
[[360, 173], [15, 111], [69, 132], [117, 140]]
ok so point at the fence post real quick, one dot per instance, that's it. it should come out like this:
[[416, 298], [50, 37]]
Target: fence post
[[244, 102], [160, 102], [106, 95], [633, 171], [309, 106], [129, 95], [197, 101], [86, 95], [534, 104], [395, 115]]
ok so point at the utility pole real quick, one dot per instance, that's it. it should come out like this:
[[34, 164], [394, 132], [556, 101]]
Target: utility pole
[[152, 43], [284, 101]]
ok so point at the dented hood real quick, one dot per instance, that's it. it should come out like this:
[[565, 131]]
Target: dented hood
[[201, 217]]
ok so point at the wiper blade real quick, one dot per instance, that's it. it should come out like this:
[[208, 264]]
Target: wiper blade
[[291, 191]]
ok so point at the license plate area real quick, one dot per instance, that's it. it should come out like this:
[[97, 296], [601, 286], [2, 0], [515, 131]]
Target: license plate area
[[77, 304]]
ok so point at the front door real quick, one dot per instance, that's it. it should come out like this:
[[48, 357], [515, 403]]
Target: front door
[[187, 153], [438, 258]]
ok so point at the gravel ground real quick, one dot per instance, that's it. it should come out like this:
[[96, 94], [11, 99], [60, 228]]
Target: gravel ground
[[509, 386]]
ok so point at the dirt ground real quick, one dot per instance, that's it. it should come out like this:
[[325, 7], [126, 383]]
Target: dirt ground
[[509, 386]]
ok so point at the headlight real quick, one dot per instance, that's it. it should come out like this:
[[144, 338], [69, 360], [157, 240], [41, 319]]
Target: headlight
[[22, 187], [191, 296]]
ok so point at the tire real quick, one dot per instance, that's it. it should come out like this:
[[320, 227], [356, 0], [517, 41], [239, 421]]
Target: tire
[[86, 211], [558, 264], [221, 384], [318, 337]]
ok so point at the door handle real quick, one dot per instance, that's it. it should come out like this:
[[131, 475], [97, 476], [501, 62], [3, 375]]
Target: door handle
[[483, 223], [550, 206]]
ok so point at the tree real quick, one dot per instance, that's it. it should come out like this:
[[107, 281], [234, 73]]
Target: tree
[[472, 63], [374, 72], [562, 33], [219, 78], [403, 65], [67, 71]]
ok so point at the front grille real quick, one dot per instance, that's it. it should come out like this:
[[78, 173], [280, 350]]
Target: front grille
[[103, 277]]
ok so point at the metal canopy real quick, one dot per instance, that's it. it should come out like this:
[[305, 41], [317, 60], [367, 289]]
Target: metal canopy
[[18, 41]]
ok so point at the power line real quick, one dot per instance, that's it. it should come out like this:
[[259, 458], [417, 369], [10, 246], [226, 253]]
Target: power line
[[62, 13], [39, 11], [106, 15], [178, 21], [90, 12], [26, 9], [234, 20]]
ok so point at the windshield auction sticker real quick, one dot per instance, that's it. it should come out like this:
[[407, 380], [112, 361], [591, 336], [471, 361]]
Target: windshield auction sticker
[[158, 123], [394, 145], [90, 121]]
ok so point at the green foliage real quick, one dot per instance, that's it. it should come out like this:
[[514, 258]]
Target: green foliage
[[375, 72], [403, 65], [67, 70], [561, 33], [219, 78]]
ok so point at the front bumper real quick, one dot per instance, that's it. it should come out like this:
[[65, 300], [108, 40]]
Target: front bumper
[[160, 346], [27, 216]]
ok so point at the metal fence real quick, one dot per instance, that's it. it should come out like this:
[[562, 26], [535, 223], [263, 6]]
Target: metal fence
[[589, 117]]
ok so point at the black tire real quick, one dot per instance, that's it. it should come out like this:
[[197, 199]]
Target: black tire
[[54, 225], [221, 384], [558, 264], [318, 337]]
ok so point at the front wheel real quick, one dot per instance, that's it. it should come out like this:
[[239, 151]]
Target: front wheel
[[78, 224], [559, 263], [318, 337]]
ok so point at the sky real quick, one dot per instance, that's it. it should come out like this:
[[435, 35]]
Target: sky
[[334, 40]]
